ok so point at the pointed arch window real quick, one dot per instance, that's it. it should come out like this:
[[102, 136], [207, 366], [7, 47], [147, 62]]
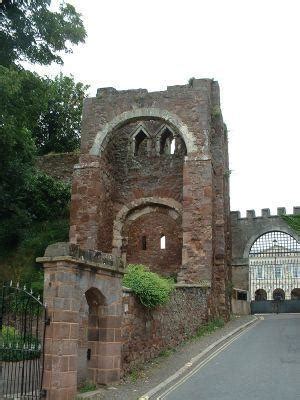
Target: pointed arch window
[[167, 142], [140, 140], [140, 143]]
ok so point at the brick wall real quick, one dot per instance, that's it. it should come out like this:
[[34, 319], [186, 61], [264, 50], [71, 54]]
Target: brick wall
[[145, 333]]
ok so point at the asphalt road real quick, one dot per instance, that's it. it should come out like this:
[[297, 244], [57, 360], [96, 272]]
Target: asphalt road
[[262, 363]]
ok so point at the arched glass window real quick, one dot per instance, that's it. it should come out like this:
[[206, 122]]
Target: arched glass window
[[162, 242]]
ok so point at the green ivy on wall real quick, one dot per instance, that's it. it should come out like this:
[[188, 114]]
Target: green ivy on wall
[[293, 221]]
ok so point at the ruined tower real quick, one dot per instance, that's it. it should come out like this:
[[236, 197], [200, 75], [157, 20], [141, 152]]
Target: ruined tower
[[152, 183]]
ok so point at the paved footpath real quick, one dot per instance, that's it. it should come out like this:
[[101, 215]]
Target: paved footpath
[[262, 363], [154, 372]]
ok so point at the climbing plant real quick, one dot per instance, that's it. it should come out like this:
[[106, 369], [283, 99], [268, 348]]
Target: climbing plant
[[293, 221]]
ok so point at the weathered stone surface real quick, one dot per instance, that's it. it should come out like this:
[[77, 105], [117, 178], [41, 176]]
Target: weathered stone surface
[[145, 333], [245, 231], [85, 310], [130, 189], [59, 166]]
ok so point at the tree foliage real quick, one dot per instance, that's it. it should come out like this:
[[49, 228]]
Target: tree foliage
[[49, 110], [18, 263], [293, 221], [37, 115], [17, 149], [25, 194], [58, 128], [32, 31]]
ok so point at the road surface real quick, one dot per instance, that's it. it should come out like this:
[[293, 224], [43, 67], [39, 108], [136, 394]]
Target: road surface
[[262, 363]]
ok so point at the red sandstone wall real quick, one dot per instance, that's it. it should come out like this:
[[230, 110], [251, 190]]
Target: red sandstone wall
[[152, 226], [60, 166], [127, 177], [110, 178], [145, 333]]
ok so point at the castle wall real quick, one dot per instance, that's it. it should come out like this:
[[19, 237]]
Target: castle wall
[[146, 333], [245, 231], [126, 163], [59, 166]]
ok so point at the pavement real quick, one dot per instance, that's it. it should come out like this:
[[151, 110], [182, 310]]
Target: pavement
[[157, 372]]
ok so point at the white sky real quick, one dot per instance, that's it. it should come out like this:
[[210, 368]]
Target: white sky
[[250, 47]]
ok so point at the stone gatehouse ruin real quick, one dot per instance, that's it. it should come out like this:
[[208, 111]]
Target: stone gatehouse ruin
[[151, 187], [155, 165]]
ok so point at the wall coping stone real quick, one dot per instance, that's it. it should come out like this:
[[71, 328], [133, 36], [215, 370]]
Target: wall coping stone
[[77, 261], [68, 252], [177, 286], [202, 284]]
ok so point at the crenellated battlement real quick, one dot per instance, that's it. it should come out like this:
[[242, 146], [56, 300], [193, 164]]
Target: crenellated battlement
[[265, 213], [247, 229]]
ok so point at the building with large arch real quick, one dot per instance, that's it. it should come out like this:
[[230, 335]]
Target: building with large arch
[[153, 168], [265, 255]]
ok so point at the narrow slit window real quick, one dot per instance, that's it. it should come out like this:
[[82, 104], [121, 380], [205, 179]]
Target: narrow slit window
[[162, 242], [173, 145], [144, 243]]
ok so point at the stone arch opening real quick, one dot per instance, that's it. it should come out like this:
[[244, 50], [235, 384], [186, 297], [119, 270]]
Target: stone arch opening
[[91, 325], [260, 295], [164, 116], [261, 232], [131, 168], [169, 142], [138, 232], [272, 257], [295, 294], [278, 294], [140, 141], [165, 141], [139, 207]]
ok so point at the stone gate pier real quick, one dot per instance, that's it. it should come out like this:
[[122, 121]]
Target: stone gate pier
[[83, 293]]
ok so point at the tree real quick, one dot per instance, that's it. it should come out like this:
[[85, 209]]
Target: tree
[[58, 128], [31, 31], [25, 194], [19, 94]]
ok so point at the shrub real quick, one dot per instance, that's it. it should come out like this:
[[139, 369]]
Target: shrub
[[46, 197], [151, 289], [18, 263], [87, 387], [15, 347]]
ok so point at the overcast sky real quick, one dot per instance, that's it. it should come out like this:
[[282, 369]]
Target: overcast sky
[[250, 47]]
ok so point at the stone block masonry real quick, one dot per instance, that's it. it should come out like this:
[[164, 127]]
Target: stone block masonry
[[146, 332], [83, 293], [245, 231], [151, 187], [152, 166], [59, 166]]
